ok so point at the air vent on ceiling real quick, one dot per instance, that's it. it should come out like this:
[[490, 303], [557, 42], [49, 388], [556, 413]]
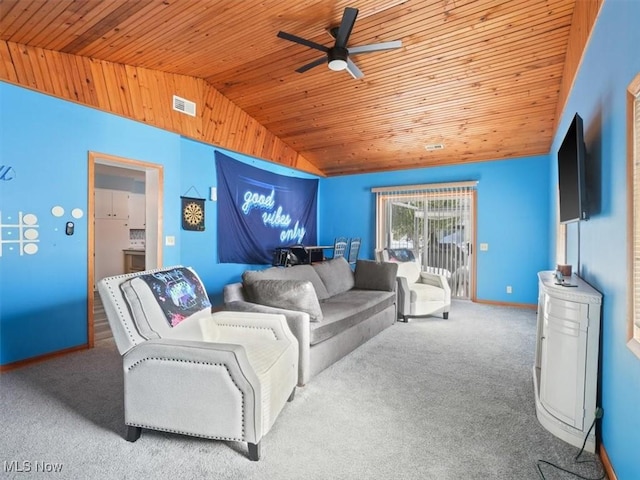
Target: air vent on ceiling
[[434, 146], [184, 106]]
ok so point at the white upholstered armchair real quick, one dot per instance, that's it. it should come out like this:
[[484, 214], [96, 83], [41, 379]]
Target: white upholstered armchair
[[223, 375], [421, 293]]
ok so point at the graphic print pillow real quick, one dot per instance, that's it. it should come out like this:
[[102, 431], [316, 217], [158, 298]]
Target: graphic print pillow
[[178, 292]]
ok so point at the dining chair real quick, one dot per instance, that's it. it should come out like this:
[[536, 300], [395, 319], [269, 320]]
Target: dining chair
[[354, 249], [340, 247]]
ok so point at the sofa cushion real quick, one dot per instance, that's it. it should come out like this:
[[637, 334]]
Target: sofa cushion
[[298, 272], [426, 292], [347, 309], [372, 275], [170, 304], [336, 275], [296, 295]]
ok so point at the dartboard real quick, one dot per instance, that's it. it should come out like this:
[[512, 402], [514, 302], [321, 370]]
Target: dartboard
[[192, 214]]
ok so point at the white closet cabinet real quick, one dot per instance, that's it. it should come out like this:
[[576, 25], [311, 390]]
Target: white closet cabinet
[[566, 359], [137, 210], [111, 204]]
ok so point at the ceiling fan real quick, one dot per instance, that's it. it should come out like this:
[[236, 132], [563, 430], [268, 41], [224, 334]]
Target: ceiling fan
[[337, 57]]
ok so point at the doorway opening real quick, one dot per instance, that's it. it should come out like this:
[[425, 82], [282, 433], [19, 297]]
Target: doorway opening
[[126, 217]]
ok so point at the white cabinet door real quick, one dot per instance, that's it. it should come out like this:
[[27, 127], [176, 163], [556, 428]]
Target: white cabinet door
[[563, 351], [120, 205], [102, 202], [137, 210], [111, 204]]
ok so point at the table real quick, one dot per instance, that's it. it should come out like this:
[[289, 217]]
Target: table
[[312, 253], [134, 260], [315, 253]]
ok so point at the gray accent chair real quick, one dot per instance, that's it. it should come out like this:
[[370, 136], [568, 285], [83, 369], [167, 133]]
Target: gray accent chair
[[222, 375]]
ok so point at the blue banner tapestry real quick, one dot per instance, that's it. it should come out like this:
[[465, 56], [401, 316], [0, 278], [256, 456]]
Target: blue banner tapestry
[[259, 211]]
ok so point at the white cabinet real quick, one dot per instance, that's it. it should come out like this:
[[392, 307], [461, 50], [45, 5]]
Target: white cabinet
[[111, 204], [137, 210], [563, 358], [566, 359], [114, 213]]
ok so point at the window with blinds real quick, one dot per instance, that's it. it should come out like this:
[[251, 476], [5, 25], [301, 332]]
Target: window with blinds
[[432, 224], [633, 148]]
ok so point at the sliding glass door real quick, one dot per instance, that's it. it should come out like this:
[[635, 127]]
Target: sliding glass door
[[433, 224]]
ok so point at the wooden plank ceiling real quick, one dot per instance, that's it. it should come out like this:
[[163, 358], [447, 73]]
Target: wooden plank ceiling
[[481, 77]]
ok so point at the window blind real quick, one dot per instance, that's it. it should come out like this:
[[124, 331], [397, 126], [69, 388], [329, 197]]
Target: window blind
[[432, 221]]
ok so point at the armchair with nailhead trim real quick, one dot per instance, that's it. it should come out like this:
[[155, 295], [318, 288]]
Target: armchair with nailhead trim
[[223, 375]]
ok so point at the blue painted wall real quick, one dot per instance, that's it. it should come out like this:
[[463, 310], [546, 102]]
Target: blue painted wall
[[610, 62], [513, 218]]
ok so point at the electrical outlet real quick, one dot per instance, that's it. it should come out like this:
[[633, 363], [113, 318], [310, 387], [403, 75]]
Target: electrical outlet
[[509, 289], [170, 241]]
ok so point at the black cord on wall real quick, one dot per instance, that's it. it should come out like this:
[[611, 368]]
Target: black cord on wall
[[578, 266]]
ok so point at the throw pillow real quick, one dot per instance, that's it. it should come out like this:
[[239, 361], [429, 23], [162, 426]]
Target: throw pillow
[[287, 294], [171, 295], [410, 271], [298, 272], [336, 275], [371, 275]]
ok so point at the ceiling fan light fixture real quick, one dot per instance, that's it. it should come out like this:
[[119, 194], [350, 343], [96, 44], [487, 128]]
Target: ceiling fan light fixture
[[337, 58], [337, 65]]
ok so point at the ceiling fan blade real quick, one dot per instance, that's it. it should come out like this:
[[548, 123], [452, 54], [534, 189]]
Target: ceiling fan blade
[[310, 65], [375, 47], [353, 69], [302, 41], [346, 25]]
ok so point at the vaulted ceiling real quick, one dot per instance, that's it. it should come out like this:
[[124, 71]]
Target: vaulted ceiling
[[474, 80]]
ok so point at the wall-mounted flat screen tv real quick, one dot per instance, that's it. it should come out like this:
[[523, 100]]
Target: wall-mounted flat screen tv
[[571, 174]]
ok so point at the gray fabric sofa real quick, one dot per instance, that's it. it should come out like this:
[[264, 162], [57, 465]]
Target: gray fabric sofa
[[330, 309]]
